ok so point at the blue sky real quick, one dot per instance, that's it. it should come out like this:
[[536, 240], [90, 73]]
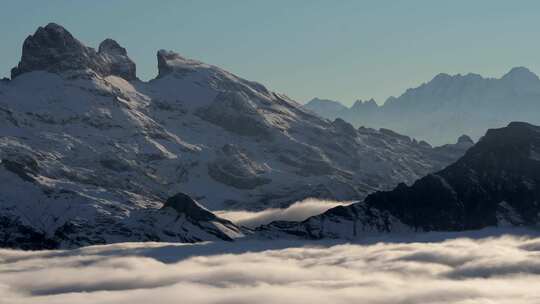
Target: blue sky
[[343, 50]]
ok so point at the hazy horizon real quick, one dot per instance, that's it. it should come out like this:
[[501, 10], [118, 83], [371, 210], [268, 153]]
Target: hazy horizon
[[341, 51]]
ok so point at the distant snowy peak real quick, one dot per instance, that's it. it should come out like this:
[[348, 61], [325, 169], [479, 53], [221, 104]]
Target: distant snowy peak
[[517, 77], [366, 105], [518, 74], [330, 108], [447, 106], [326, 103], [53, 49]]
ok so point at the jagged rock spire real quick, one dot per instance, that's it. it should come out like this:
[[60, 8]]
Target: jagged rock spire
[[117, 58], [54, 49]]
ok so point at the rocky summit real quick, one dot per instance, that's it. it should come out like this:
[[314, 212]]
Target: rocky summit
[[52, 48]]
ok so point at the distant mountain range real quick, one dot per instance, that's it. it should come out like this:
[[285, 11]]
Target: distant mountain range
[[90, 154], [496, 183], [447, 106]]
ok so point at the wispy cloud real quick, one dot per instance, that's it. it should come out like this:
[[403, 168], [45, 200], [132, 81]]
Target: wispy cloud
[[298, 211], [501, 269]]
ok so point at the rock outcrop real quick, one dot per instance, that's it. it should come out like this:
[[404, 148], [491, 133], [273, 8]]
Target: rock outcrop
[[53, 49]]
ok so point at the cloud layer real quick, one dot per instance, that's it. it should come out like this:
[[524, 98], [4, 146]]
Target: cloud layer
[[298, 211], [503, 269]]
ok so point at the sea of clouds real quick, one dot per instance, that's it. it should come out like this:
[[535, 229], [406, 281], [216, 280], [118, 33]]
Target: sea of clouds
[[298, 211], [438, 268]]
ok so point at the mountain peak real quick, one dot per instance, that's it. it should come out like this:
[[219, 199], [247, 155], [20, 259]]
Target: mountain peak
[[50, 48], [52, 27], [325, 107], [520, 124], [169, 62], [54, 49], [365, 105], [518, 74], [110, 46], [184, 204], [465, 139], [117, 58], [441, 77]]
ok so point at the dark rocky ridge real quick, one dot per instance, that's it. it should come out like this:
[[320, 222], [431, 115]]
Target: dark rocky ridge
[[495, 174], [52, 48], [497, 182]]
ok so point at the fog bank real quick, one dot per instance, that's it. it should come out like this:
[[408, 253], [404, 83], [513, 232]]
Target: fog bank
[[298, 211], [500, 269]]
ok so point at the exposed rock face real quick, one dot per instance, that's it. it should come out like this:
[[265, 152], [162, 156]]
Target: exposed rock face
[[496, 183], [200, 217], [169, 62], [53, 49], [117, 59], [184, 204]]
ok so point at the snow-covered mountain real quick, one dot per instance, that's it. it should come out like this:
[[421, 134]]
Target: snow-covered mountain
[[496, 183], [90, 153], [448, 106]]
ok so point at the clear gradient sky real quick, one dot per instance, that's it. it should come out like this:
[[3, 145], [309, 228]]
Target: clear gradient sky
[[336, 49]]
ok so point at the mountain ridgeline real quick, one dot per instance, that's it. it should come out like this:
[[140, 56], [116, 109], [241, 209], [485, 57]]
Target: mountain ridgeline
[[496, 183], [447, 106], [90, 154]]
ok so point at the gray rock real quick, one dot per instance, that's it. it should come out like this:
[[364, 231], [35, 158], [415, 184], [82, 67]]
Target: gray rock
[[117, 59], [53, 49], [236, 169], [184, 204]]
